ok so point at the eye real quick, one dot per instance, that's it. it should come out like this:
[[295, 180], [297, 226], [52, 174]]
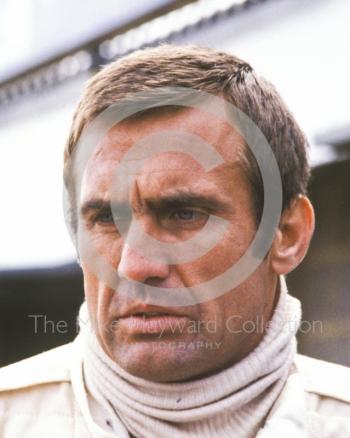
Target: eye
[[186, 219], [185, 215], [104, 218]]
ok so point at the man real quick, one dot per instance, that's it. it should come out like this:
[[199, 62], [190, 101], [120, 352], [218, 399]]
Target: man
[[148, 363]]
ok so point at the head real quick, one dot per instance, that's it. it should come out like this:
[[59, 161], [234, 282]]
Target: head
[[172, 198]]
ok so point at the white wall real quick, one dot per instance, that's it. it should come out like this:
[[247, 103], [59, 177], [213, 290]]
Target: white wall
[[303, 47], [32, 138]]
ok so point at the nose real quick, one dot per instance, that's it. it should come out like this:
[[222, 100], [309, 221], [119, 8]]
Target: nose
[[133, 266]]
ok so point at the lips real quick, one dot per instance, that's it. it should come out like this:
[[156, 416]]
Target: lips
[[152, 320], [151, 314], [149, 311]]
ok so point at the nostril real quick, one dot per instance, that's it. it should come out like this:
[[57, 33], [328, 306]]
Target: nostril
[[156, 282]]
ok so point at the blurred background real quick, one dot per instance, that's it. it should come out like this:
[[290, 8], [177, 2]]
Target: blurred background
[[49, 48]]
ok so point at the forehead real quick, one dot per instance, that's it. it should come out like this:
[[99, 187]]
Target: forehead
[[219, 134]]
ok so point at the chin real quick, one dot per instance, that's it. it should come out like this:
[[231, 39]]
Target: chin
[[159, 361]]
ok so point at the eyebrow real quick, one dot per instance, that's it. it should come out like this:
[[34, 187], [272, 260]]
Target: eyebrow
[[95, 204], [164, 203], [185, 199]]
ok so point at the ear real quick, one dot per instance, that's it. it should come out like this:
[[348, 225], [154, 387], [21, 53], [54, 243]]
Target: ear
[[293, 236]]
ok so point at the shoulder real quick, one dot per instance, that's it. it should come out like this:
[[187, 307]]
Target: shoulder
[[324, 378], [37, 399], [47, 367], [327, 385], [39, 383]]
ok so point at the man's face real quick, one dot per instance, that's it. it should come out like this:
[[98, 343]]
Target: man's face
[[172, 198]]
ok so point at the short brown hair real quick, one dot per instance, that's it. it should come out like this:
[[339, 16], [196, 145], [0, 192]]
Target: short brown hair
[[214, 72]]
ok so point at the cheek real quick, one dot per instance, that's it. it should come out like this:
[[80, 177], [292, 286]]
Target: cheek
[[97, 297], [104, 244], [246, 305], [91, 286], [219, 259], [91, 283], [247, 301], [212, 318]]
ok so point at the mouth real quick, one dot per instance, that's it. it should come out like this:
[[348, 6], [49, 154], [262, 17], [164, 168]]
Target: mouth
[[145, 315], [152, 322]]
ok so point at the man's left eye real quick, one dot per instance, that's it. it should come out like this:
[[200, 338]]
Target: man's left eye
[[185, 215], [185, 219]]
